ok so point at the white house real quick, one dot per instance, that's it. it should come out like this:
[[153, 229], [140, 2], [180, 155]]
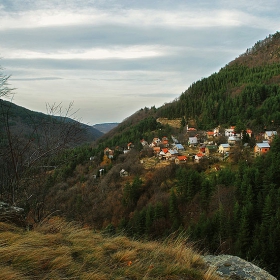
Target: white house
[[224, 148], [123, 173], [232, 140], [192, 141], [268, 135], [216, 131], [229, 132]]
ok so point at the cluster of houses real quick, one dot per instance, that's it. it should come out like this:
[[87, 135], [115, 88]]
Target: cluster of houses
[[110, 153], [234, 138], [172, 150], [165, 150], [263, 147]]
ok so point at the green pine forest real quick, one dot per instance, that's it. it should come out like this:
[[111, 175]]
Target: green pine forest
[[235, 210], [246, 90]]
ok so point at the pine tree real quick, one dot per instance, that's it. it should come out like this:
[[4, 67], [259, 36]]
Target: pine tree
[[149, 219], [174, 213]]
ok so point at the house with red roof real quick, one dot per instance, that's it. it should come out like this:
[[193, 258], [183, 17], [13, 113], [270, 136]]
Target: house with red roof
[[144, 142], [249, 132], [210, 134], [156, 150], [109, 153], [198, 156], [181, 159]]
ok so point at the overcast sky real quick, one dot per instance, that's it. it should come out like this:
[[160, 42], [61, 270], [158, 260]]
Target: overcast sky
[[114, 57]]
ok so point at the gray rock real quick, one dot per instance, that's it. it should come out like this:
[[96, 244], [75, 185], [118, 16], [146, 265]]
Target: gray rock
[[232, 267], [11, 214], [6, 208]]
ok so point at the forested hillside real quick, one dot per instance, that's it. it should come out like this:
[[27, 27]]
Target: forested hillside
[[245, 90], [22, 119], [227, 202]]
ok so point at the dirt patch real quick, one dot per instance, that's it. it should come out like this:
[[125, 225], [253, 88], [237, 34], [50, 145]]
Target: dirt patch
[[176, 123]]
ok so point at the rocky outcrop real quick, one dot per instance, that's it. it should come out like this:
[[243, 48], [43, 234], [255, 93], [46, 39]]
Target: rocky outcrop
[[232, 267], [11, 214]]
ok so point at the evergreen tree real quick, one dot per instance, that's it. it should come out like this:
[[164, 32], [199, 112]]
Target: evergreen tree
[[174, 213]]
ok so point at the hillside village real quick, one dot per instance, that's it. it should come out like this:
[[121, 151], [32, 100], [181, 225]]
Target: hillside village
[[216, 145]]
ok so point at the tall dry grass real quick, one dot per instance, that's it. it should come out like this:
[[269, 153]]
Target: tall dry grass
[[60, 250]]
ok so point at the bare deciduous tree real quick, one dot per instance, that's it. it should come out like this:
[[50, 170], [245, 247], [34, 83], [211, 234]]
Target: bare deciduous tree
[[29, 149]]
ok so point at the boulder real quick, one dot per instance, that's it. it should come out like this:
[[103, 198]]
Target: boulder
[[232, 267], [12, 214]]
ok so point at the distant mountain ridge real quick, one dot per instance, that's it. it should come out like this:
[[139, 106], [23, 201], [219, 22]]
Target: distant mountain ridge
[[21, 118], [105, 127]]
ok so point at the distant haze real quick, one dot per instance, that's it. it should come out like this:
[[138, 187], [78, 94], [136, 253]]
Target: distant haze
[[105, 127], [114, 57]]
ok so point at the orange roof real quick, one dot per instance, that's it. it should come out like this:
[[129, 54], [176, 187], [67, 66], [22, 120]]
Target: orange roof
[[210, 132], [199, 155], [165, 150], [165, 142], [249, 131], [191, 128], [157, 149], [182, 158]]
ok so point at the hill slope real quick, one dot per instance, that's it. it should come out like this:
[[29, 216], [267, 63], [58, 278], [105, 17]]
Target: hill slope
[[21, 118], [246, 90], [60, 250]]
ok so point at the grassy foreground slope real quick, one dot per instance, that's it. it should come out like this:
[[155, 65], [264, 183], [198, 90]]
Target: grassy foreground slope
[[60, 250]]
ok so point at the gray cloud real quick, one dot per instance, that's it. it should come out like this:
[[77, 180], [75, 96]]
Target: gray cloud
[[36, 79], [157, 95], [114, 57]]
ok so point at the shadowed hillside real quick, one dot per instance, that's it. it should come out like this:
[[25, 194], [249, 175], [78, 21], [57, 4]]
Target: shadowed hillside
[[22, 119]]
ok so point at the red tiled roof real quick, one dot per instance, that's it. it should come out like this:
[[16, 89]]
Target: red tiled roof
[[182, 158], [165, 150]]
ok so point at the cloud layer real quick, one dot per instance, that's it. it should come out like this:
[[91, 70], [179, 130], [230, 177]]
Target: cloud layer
[[114, 57]]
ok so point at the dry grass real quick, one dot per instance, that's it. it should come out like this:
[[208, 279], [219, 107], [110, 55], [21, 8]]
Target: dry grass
[[173, 123], [60, 250]]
